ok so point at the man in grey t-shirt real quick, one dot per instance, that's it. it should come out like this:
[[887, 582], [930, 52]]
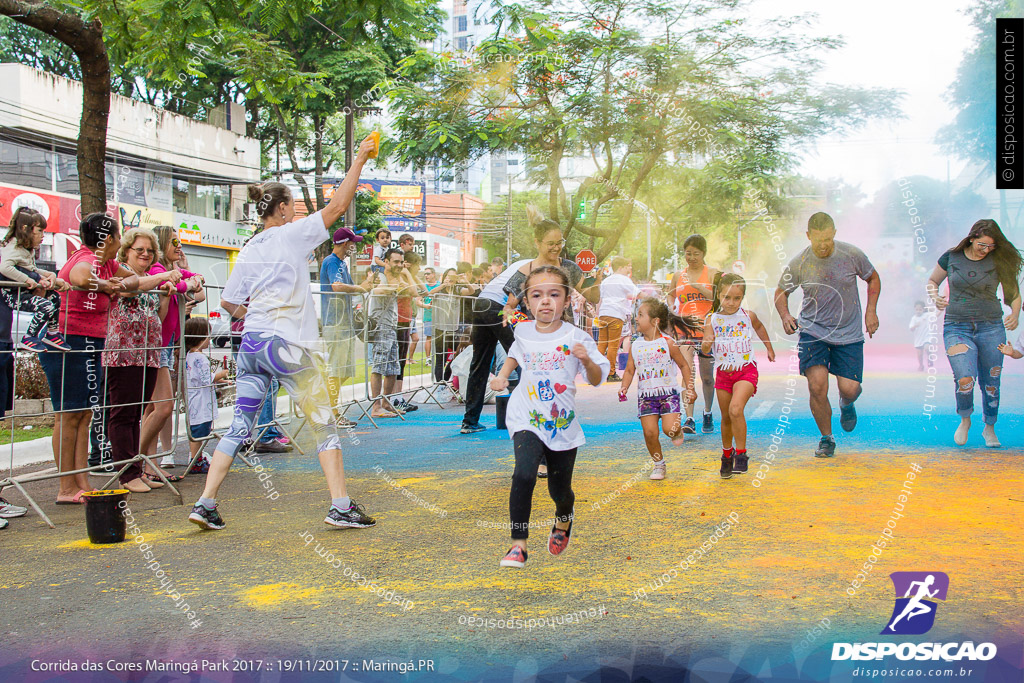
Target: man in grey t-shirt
[[383, 319], [831, 340]]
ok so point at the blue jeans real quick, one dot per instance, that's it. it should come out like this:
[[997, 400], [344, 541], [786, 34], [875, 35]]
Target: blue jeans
[[269, 411], [981, 363]]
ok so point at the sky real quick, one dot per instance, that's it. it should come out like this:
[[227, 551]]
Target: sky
[[911, 45]]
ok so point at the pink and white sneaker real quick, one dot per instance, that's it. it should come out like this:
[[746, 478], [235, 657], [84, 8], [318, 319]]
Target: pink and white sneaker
[[515, 557], [658, 471]]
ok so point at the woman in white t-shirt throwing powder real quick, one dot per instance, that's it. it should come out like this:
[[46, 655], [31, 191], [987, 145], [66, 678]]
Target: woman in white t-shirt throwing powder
[[541, 414], [281, 337], [617, 294]]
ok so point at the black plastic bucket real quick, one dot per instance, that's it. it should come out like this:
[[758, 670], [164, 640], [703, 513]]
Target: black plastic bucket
[[500, 406], [103, 518]]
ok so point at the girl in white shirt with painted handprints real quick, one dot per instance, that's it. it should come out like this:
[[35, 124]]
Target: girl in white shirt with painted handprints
[[541, 415], [727, 331], [653, 358]]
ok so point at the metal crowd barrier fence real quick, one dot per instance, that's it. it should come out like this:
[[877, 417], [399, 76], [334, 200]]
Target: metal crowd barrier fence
[[365, 341], [65, 369]]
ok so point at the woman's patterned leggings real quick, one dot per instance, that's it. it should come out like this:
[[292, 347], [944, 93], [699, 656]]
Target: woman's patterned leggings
[[264, 356]]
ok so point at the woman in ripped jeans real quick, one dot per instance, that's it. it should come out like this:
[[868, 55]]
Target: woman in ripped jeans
[[974, 326]]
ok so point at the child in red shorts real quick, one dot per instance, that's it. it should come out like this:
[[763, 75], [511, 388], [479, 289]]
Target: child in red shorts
[[728, 333]]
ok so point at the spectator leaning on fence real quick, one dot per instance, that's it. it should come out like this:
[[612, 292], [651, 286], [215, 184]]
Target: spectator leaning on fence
[[408, 338], [336, 313], [158, 412], [131, 355], [446, 305], [18, 263], [74, 376], [430, 283], [382, 320]]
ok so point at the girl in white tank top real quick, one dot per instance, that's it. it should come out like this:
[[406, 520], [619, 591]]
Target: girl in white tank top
[[654, 358], [729, 333]]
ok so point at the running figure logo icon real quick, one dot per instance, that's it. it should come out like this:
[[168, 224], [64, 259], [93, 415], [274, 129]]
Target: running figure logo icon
[[916, 592]]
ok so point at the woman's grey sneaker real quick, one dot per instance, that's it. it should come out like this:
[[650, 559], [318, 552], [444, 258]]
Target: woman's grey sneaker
[[207, 519], [8, 510], [353, 518], [848, 417], [726, 470], [826, 447], [709, 423]]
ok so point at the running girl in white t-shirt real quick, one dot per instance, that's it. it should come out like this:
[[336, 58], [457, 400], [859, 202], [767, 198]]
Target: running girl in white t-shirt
[[281, 338], [728, 333], [541, 414], [653, 358]]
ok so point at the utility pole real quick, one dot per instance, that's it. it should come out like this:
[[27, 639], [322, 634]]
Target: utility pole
[[350, 148], [350, 155], [508, 226]]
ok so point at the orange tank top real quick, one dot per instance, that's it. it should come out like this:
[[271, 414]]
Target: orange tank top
[[689, 301]]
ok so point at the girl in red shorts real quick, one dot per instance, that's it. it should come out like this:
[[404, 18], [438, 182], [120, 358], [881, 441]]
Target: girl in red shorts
[[727, 334]]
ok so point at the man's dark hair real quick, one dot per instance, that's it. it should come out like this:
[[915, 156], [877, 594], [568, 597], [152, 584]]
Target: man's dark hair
[[820, 221], [389, 252], [96, 228]]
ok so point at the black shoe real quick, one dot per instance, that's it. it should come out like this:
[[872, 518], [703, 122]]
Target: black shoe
[[472, 428], [726, 470], [709, 423], [353, 518], [847, 417], [826, 447], [689, 427], [739, 465], [409, 407], [272, 446], [207, 519]]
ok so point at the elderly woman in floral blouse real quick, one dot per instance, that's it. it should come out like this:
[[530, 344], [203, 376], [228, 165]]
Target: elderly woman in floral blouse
[[131, 356]]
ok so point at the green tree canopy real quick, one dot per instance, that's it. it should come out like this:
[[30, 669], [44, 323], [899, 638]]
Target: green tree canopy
[[632, 87]]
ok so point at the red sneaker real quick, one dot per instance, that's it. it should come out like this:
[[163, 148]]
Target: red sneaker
[[558, 541], [515, 557]]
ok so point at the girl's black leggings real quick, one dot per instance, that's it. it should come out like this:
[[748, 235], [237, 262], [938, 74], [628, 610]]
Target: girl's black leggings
[[529, 449]]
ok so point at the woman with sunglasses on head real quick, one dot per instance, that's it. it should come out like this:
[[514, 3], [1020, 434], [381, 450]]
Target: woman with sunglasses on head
[[157, 421], [974, 325]]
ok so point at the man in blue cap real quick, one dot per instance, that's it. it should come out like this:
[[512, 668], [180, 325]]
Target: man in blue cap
[[336, 308]]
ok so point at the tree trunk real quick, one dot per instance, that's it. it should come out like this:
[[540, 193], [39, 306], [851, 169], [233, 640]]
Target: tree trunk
[[252, 118], [289, 145], [86, 41]]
